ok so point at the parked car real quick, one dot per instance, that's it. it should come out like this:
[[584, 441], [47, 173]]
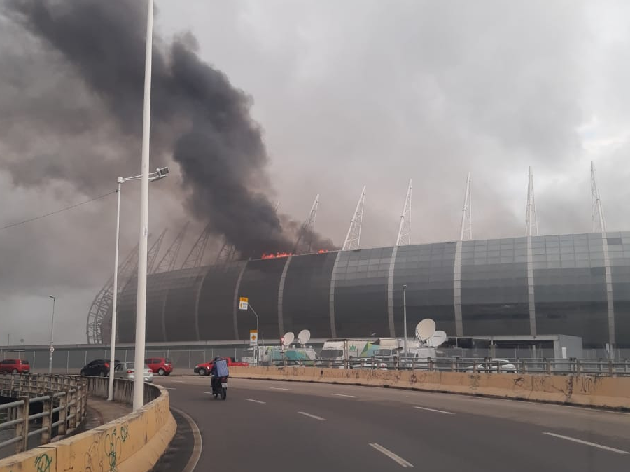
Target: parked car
[[205, 367], [493, 366], [160, 365], [14, 366], [126, 370], [97, 368]]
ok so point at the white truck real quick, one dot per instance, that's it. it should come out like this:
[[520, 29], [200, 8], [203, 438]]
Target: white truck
[[336, 352], [387, 352]]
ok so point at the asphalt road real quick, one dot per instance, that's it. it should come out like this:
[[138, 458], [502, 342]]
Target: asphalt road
[[270, 426]]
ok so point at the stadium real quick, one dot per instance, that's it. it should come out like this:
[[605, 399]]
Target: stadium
[[576, 284], [573, 284]]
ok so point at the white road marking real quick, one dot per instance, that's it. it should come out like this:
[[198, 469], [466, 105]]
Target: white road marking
[[209, 393], [434, 410], [344, 395], [169, 388], [391, 455], [178, 381], [278, 388], [256, 401], [198, 443], [315, 417], [580, 441]]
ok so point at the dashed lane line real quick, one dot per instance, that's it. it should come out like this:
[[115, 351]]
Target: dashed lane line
[[587, 443], [344, 395], [256, 401], [315, 417], [391, 455], [434, 410], [279, 388]]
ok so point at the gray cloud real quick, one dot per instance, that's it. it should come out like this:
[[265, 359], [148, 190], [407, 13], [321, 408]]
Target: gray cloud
[[348, 94]]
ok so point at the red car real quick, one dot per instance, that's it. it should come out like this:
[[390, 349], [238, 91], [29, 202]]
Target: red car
[[159, 365], [14, 366], [204, 368]]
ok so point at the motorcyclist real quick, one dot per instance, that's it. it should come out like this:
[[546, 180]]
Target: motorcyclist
[[218, 364]]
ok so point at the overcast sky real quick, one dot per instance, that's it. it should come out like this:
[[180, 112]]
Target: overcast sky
[[349, 93]]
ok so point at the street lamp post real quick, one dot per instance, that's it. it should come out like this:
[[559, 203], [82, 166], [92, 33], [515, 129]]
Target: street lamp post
[[157, 175], [52, 332], [141, 301], [257, 333], [404, 287]]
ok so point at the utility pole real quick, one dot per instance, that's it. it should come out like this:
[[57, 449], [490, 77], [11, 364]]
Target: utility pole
[[52, 333], [141, 302]]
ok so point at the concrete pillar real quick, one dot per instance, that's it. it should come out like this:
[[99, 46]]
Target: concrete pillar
[[21, 429], [47, 419]]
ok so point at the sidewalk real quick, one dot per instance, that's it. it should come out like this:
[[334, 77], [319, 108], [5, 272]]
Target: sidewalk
[[101, 411]]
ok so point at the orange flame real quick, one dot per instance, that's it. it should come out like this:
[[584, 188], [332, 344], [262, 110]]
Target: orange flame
[[276, 255]]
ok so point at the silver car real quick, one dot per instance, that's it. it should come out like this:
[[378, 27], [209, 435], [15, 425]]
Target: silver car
[[126, 370], [494, 366]]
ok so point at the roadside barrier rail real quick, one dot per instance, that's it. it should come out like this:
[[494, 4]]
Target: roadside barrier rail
[[47, 405], [601, 367]]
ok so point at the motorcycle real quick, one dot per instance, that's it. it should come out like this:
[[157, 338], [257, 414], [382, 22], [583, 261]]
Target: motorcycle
[[219, 387]]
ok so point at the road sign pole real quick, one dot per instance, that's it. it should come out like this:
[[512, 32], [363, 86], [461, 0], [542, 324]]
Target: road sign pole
[[257, 330], [404, 287]]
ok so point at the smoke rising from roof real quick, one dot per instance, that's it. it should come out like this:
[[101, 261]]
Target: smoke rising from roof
[[198, 117]]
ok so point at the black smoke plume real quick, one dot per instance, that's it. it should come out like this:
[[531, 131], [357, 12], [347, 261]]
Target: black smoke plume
[[198, 117]]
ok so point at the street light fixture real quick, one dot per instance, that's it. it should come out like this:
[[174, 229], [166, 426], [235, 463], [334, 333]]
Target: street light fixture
[[52, 332], [160, 173], [404, 287]]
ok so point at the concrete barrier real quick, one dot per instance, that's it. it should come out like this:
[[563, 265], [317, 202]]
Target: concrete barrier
[[132, 443], [584, 390]]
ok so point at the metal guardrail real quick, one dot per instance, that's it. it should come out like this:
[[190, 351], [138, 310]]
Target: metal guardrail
[[63, 398], [602, 367]]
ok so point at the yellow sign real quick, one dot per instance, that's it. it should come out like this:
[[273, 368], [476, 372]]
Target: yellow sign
[[253, 336], [243, 303]]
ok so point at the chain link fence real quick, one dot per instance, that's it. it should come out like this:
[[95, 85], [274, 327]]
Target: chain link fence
[[71, 360]]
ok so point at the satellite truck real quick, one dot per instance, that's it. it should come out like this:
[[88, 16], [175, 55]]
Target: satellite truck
[[287, 353], [337, 352], [385, 352]]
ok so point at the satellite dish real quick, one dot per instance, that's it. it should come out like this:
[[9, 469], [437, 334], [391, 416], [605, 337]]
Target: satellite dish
[[304, 336], [288, 338], [438, 338], [425, 329]]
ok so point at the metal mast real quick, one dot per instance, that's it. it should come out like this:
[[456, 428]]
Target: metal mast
[[353, 238], [226, 253], [154, 251], [101, 307], [404, 228], [305, 235], [466, 227], [531, 219], [195, 256], [597, 212], [167, 263]]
